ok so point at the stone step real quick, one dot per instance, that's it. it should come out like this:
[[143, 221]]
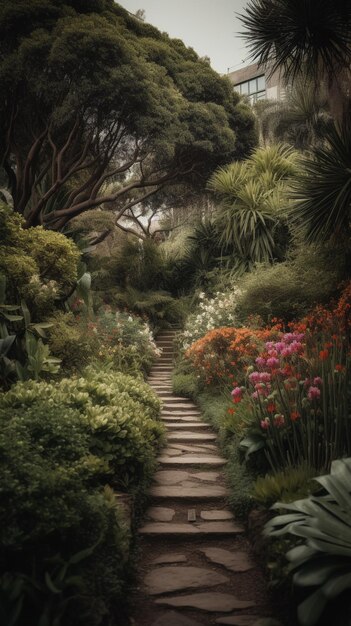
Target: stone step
[[171, 399], [179, 405], [200, 529], [187, 460], [190, 437], [181, 413], [197, 425], [209, 601], [179, 419], [193, 493]]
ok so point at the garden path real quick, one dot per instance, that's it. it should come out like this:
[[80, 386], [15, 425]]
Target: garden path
[[195, 567]]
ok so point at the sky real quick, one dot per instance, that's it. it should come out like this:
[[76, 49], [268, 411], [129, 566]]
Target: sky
[[209, 26]]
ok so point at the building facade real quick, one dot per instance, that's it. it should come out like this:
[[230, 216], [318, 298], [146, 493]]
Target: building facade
[[256, 83]]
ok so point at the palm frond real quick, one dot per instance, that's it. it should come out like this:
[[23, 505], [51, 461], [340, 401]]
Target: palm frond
[[297, 35], [323, 190]]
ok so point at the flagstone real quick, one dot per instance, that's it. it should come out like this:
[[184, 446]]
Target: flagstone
[[237, 561], [188, 490], [213, 602], [216, 515], [171, 477], [192, 459], [172, 578], [208, 476], [171, 618], [160, 514], [169, 557], [189, 436], [198, 528]]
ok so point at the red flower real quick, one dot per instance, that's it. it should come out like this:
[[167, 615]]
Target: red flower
[[323, 355], [294, 416], [271, 407]]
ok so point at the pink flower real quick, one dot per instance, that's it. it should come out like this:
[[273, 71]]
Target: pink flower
[[260, 361], [255, 377], [314, 393], [272, 362], [317, 381], [279, 420], [265, 424], [237, 394]]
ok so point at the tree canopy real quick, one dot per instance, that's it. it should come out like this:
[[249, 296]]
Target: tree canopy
[[99, 107]]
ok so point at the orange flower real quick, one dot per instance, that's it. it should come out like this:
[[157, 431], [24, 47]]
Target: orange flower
[[294, 415], [323, 355]]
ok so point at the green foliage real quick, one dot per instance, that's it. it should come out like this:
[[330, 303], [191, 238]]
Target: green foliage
[[40, 266], [296, 38], [301, 120], [290, 484], [69, 341], [241, 480], [184, 381], [254, 199], [322, 189], [64, 541], [288, 290], [184, 119], [322, 562]]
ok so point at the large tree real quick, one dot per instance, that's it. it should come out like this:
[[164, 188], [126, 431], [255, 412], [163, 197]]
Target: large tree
[[99, 107]]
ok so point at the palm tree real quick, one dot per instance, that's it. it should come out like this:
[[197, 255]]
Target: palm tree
[[251, 217], [304, 36], [323, 189], [300, 120]]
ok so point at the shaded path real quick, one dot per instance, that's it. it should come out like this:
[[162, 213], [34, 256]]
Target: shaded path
[[195, 568]]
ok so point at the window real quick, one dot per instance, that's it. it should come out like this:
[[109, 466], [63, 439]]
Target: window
[[254, 88]]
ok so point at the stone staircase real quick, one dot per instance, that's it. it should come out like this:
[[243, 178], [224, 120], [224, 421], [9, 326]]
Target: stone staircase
[[194, 555]]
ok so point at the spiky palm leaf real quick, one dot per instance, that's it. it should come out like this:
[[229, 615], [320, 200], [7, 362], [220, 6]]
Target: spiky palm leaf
[[300, 120], [323, 189], [253, 202], [299, 35]]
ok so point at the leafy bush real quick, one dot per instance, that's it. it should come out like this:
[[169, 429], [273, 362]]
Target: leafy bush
[[288, 485], [69, 340], [223, 354], [64, 541], [211, 313], [288, 290], [322, 563], [118, 412], [125, 339], [184, 385], [40, 265]]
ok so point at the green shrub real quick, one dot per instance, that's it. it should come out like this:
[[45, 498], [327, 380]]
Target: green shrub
[[64, 542], [40, 265], [69, 341], [185, 385], [118, 412], [288, 485], [288, 290], [241, 481]]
